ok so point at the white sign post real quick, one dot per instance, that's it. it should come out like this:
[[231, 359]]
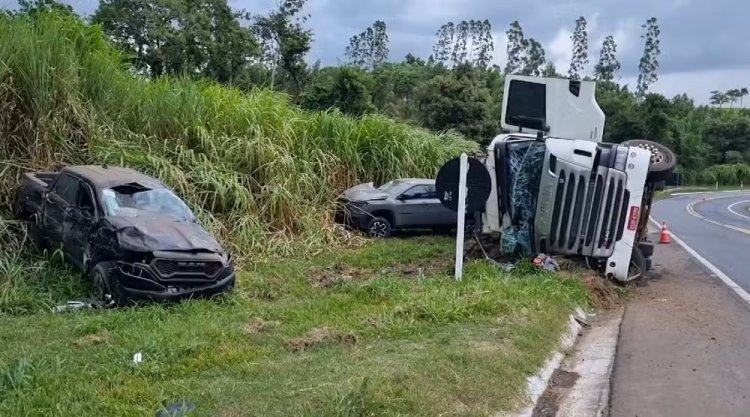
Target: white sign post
[[464, 167]]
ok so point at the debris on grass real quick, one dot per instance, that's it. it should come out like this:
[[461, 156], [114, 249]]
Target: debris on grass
[[321, 335], [335, 275], [92, 339], [258, 325]]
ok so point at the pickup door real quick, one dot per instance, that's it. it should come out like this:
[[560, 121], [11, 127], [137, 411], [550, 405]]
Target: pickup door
[[69, 214]]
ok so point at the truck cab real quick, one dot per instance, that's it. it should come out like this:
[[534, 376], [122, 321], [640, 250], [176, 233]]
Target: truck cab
[[558, 189]]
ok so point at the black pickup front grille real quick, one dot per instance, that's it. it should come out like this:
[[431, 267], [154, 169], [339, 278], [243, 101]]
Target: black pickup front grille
[[587, 214], [171, 267]]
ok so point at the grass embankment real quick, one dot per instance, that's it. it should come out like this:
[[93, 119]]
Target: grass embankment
[[382, 330], [262, 173]]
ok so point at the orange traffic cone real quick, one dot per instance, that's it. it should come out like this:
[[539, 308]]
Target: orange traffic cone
[[664, 237]]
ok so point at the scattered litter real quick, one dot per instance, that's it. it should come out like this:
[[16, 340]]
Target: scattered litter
[[71, 306], [546, 262], [137, 358], [176, 409]]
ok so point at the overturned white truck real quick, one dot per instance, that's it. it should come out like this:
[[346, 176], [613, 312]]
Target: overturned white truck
[[556, 188]]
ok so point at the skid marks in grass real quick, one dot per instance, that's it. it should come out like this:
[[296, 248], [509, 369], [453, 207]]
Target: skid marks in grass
[[321, 336]]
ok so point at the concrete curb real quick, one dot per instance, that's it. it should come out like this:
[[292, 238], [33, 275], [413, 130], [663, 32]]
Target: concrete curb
[[537, 384], [593, 361]]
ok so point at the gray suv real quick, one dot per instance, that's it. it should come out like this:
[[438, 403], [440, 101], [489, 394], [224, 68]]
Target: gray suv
[[401, 204]]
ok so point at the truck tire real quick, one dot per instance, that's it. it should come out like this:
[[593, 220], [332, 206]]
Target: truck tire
[[637, 266], [105, 283], [379, 228], [663, 160]]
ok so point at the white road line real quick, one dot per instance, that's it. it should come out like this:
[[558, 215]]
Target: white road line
[[691, 210], [734, 212], [711, 267]]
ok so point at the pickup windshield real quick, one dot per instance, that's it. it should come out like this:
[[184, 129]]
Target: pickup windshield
[[524, 163], [134, 199]]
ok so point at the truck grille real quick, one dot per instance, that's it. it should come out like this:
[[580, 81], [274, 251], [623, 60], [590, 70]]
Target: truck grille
[[588, 213], [170, 267]]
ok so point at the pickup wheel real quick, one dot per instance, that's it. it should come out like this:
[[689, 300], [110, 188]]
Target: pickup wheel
[[663, 160], [379, 227], [106, 284]]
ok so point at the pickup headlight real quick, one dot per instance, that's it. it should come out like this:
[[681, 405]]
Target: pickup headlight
[[622, 158]]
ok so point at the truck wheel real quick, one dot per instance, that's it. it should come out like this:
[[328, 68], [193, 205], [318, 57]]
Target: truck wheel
[[105, 283], [663, 160], [637, 266], [379, 228]]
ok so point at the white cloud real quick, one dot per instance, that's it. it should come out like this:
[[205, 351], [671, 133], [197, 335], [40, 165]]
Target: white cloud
[[560, 49]]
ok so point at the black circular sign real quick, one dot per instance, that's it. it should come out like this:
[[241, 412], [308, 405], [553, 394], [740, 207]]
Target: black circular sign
[[478, 185]]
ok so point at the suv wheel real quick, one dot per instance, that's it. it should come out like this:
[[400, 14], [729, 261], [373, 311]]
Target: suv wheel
[[379, 228]]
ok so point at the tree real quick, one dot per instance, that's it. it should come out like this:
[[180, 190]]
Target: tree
[[460, 51], [743, 93], [458, 100], [199, 37], [344, 88], [649, 63], [580, 56], [515, 48], [550, 70], [733, 95], [369, 48], [285, 41], [533, 59], [482, 44], [468, 41], [144, 29], [32, 7], [718, 98], [443, 47], [608, 64]]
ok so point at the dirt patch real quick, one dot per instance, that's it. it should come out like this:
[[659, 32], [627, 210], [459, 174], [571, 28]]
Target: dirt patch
[[549, 402], [335, 275], [258, 325], [92, 339], [376, 322], [604, 294], [319, 336]]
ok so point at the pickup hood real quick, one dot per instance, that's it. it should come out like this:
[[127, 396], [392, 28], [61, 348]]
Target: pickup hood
[[364, 192], [162, 233]]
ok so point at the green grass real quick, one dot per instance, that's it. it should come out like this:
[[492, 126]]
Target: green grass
[[401, 338]]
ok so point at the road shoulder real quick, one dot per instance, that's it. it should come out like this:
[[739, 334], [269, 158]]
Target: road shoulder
[[682, 347]]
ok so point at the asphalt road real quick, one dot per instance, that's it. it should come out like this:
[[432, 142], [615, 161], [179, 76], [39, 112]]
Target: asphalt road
[[682, 349], [718, 228]]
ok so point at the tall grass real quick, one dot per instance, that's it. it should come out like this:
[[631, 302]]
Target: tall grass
[[259, 171]]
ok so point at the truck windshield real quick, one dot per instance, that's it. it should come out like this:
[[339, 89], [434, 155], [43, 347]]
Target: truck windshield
[[525, 161], [134, 199]]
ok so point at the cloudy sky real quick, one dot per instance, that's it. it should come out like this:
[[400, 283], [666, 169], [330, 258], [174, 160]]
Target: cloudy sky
[[705, 43]]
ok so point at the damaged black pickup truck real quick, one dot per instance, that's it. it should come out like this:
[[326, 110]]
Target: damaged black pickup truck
[[129, 233]]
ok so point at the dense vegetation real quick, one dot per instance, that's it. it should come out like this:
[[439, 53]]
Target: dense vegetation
[[258, 170]]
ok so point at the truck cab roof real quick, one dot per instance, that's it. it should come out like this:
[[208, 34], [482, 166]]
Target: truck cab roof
[[106, 176]]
